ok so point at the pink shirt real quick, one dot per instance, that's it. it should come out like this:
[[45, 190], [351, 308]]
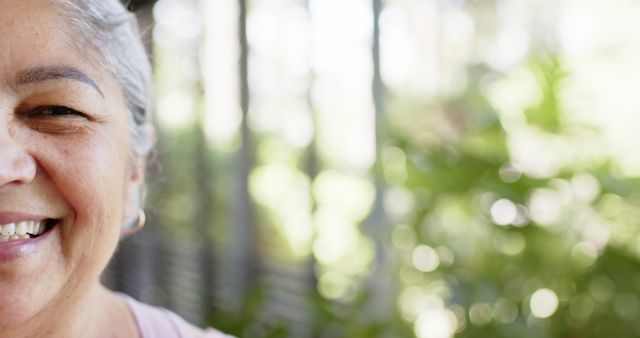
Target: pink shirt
[[154, 322]]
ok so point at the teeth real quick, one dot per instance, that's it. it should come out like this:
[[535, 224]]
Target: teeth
[[20, 230], [8, 229]]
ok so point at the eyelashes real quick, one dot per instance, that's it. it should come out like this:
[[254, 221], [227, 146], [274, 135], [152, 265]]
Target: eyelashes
[[55, 119], [56, 112]]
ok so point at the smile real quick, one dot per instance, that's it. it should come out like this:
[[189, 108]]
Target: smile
[[22, 230]]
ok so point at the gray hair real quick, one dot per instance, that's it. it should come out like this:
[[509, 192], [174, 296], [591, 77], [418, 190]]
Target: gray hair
[[108, 29], [111, 31]]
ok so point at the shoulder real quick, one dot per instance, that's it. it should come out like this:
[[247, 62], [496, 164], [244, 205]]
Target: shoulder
[[155, 322]]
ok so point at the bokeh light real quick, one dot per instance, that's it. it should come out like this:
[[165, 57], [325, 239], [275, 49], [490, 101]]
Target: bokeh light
[[488, 184], [544, 303]]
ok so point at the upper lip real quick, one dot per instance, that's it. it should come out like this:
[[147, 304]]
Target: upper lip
[[15, 217]]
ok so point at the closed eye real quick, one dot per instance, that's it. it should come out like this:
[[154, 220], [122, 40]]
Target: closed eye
[[56, 111]]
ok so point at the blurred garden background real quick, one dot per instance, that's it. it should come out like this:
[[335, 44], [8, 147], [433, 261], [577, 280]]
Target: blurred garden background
[[393, 168]]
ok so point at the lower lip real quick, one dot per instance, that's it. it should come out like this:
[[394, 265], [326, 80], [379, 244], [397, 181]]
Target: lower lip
[[18, 248]]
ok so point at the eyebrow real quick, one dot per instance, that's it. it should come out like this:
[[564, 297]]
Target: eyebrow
[[47, 73]]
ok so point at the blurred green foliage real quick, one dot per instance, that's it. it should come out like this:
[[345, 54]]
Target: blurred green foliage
[[480, 242], [487, 272]]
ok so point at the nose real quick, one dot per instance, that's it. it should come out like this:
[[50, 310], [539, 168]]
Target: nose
[[16, 164]]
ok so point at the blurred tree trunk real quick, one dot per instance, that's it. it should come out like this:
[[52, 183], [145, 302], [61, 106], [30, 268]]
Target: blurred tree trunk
[[243, 262], [380, 281], [204, 175]]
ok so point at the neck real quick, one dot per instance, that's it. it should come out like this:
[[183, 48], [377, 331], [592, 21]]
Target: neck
[[88, 315]]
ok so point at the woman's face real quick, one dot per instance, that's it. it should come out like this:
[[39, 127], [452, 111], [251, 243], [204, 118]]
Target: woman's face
[[65, 161]]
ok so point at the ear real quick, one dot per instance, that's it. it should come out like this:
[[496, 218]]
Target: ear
[[133, 195]]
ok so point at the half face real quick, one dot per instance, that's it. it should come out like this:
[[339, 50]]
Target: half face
[[65, 165]]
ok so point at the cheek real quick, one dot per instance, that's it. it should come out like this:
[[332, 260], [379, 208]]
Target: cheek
[[89, 173]]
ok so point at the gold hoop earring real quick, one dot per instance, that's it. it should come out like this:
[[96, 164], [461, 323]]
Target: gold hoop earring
[[142, 218], [135, 226]]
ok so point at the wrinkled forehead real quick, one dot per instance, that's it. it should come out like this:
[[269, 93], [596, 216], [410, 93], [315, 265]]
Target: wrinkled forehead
[[40, 32], [25, 20]]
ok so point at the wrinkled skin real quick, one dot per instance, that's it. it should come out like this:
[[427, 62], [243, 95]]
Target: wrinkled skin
[[72, 163]]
